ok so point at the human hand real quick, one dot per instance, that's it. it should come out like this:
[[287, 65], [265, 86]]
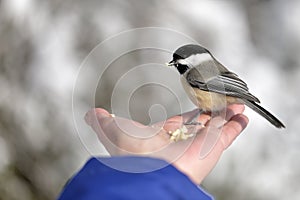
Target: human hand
[[126, 137]]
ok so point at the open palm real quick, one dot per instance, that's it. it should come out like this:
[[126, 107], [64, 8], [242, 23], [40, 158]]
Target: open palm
[[195, 156]]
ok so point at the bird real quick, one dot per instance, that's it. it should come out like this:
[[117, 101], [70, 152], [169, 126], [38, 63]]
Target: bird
[[211, 86]]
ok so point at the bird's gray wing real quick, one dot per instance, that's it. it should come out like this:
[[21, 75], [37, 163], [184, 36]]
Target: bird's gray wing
[[226, 83]]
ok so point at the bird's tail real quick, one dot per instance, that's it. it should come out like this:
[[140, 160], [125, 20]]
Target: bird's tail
[[266, 114]]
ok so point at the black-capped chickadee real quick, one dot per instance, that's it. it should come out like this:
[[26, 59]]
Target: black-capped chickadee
[[211, 86]]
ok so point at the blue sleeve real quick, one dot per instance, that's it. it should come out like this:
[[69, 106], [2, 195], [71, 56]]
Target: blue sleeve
[[131, 178]]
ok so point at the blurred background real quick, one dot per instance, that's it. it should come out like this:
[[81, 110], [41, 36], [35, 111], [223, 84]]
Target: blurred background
[[52, 70]]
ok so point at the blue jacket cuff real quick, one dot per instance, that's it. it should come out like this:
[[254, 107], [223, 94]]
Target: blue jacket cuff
[[131, 178]]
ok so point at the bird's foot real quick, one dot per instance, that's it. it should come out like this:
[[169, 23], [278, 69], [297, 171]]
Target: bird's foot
[[193, 123]]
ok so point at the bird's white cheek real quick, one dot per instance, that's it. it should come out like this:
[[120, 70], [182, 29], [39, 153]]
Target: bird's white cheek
[[183, 62], [196, 59]]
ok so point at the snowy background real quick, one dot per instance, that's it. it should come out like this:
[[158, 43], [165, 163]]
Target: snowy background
[[52, 70]]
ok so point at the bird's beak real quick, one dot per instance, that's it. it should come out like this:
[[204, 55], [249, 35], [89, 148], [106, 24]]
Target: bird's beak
[[171, 63]]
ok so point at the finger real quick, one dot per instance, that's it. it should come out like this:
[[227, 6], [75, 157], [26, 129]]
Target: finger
[[232, 129], [177, 121], [90, 116], [106, 129], [234, 109], [100, 117], [101, 120], [222, 118], [203, 117], [215, 130], [187, 115], [173, 123]]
